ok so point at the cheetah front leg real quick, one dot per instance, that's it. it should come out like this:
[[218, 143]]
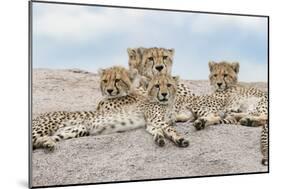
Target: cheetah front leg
[[157, 133], [171, 133]]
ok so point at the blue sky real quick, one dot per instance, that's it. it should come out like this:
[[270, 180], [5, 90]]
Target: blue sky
[[89, 38]]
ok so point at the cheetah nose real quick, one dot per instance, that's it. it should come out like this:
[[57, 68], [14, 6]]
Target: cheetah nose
[[159, 68], [164, 94], [219, 84], [109, 91]]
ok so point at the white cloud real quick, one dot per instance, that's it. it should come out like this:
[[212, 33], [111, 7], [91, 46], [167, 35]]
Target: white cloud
[[80, 23], [65, 22]]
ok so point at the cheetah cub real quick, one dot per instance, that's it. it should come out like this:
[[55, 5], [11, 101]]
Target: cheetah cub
[[49, 128], [248, 105]]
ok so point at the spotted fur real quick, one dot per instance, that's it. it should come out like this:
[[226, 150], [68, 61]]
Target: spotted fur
[[206, 110]]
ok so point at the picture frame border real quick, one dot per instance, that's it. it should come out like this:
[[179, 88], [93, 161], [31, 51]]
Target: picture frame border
[[30, 92]]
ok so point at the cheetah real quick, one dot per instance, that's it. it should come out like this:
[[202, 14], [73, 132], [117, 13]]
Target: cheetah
[[229, 99], [152, 61], [249, 106], [153, 111], [49, 128]]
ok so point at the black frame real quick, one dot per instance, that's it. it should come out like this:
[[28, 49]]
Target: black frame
[[30, 67]]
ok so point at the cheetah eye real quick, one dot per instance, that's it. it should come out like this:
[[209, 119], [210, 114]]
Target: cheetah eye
[[169, 85], [165, 57], [117, 80], [156, 86], [225, 75], [105, 81], [150, 58], [132, 57]]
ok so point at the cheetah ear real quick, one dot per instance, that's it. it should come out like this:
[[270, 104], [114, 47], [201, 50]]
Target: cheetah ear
[[172, 51], [211, 65], [131, 51], [235, 66], [101, 71], [141, 50], [176, 78]]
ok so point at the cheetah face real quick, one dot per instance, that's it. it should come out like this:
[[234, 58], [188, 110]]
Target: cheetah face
[[157, 61], [116, 81], [223, 75], [162, 88]]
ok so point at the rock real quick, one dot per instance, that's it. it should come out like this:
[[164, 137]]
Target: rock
[[132, 155]]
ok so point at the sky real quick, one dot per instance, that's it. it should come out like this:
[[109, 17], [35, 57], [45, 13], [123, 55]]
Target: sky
[[90, 38]]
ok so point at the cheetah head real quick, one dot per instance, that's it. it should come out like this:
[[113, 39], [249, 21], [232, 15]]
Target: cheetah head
[[162, 88], [156, 61], [223, 74], [116, 81]]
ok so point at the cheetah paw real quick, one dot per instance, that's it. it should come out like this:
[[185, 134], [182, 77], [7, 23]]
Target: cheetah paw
[[159, 140], [182, 142], [246, 121], [199, 124], [49, 145]]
